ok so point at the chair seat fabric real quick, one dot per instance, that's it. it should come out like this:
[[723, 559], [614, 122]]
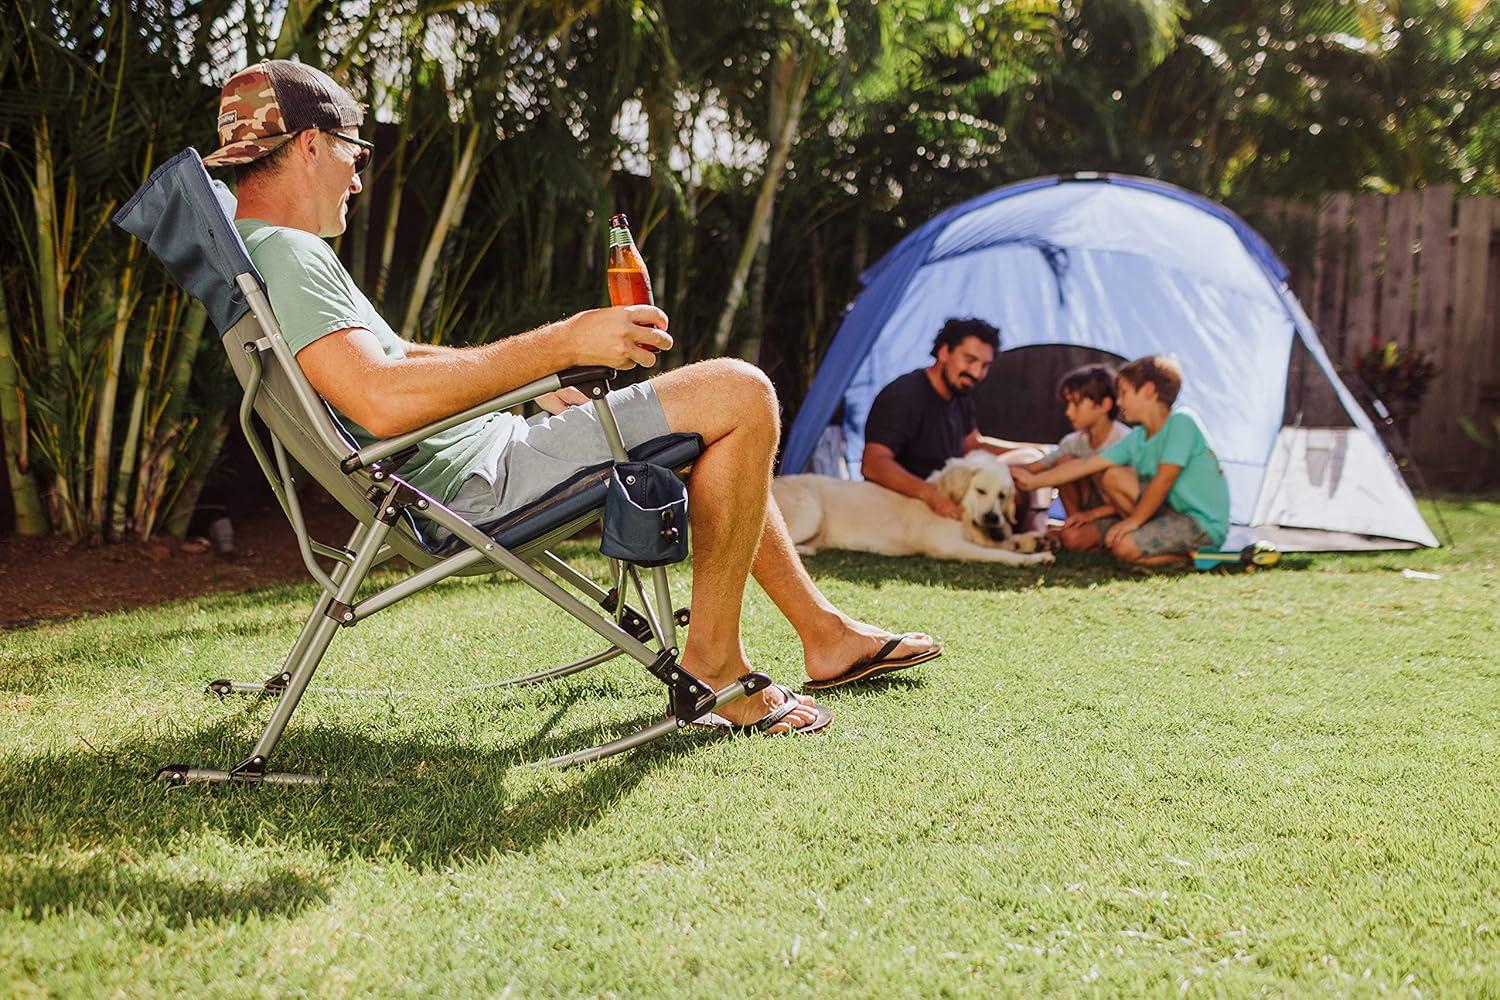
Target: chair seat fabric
[[580, 494]]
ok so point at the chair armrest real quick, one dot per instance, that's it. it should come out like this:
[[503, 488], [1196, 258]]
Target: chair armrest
[[594, 379]]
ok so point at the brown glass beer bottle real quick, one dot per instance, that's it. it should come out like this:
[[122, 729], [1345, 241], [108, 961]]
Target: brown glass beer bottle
[[629, 282]]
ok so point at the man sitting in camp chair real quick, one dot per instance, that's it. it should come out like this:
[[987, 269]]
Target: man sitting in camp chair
[[292, 134]]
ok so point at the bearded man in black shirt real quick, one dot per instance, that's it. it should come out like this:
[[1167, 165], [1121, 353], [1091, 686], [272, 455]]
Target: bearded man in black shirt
[[926, 417]]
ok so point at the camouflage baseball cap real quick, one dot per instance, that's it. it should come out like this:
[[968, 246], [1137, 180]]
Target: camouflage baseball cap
[[262, 107]]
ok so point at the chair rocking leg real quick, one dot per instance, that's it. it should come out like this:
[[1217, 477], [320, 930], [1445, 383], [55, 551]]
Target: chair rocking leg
[[277, 682], [563, 670], [307, 653], [748, 684]]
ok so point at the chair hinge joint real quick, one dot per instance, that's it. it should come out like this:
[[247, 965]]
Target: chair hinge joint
[[342, 613], [397, 499], [251, 767], [688, 697]]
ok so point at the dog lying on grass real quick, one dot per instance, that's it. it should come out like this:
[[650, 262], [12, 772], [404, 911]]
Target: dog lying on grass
[[827, 513]]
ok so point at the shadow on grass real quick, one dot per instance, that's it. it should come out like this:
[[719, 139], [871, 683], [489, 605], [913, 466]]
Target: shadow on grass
[[452, 799], [103, 888], [899, 683], [1072, 569]]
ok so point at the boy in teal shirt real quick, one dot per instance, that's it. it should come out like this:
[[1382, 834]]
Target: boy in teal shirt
[[1163, 477]]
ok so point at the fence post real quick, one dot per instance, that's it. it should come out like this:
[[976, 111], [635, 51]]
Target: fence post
[[1434, 329]]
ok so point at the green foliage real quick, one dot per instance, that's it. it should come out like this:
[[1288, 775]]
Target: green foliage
[[1398, 376], [103, 346], [510, 130]]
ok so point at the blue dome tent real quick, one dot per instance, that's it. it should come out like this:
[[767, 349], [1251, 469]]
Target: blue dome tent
[[1130, 266]]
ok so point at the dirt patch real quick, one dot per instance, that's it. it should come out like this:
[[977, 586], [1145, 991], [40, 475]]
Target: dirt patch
[[44, 578]]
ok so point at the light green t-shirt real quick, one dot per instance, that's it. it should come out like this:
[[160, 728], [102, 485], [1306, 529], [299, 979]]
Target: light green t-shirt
[[1201, 492], [313, 295]]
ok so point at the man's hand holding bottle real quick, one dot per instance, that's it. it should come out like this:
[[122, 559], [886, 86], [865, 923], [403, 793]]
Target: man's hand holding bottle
[[618, 337]]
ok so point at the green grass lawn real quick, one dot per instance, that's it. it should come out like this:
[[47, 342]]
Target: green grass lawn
[[1285, 781]]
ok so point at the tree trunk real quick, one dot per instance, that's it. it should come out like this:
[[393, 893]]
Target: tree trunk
[[451, 214], [129, 448], [540, 264], [859, 250], [104, 413], [755, 306], [203, 452], [789, 82], [806, 363], [359, 249], [48, 266], [31, 517], [392, 215]]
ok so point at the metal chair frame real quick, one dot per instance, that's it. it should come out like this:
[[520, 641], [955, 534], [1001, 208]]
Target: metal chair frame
[[367, 483]]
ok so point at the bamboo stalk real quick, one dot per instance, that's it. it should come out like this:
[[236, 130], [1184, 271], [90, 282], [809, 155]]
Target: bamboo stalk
[[393, 206], [203, 452], [795, 74], [30, 516], [155, 477], [49, 278], [104, 414], [126, 474], [161, 460], [459, 184], [293, 26]]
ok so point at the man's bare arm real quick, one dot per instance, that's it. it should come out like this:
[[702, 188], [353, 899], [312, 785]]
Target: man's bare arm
[[994, 445], [878, 465], [389, 396], [417, 349]]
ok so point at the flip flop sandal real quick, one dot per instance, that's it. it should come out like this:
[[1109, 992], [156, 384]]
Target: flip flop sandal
[[789, 704], [880, 663]]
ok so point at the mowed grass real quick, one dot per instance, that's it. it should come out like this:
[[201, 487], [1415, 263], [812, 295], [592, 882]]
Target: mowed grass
[[1281, 782]]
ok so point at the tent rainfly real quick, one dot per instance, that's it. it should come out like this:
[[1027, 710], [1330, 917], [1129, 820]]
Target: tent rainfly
[[1132, 267]]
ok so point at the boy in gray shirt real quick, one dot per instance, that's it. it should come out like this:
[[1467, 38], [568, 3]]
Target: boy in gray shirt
[[1088, 393]]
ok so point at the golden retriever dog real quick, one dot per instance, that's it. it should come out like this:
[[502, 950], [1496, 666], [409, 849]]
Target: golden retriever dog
[[827, 513]]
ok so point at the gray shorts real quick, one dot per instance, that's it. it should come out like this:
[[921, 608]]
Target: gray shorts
[[1169, 532], [550, 448]]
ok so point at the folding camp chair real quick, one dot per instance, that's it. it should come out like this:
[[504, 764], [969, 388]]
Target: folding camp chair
[[185, 219]]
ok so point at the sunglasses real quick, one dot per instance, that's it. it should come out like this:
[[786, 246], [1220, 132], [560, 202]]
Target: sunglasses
[[362, 155]]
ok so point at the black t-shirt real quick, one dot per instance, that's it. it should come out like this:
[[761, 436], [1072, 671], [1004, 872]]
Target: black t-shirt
[[922, 429]]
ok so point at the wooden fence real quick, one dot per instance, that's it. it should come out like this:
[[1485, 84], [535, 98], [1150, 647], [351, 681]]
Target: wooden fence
[[1421, 268]]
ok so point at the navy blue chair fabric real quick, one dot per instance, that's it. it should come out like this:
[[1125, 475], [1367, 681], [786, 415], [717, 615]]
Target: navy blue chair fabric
[[187, 220], [580, 494]]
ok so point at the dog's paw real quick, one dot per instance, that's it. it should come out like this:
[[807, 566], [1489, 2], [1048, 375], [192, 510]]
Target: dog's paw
[[1042, 559], [1029, 543]]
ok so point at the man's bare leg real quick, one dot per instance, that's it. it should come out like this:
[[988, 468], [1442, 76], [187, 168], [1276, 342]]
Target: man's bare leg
[[832, 642], [733, 406]]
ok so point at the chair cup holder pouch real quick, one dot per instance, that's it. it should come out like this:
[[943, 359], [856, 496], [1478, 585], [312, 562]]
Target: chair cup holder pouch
[[645, 515]]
